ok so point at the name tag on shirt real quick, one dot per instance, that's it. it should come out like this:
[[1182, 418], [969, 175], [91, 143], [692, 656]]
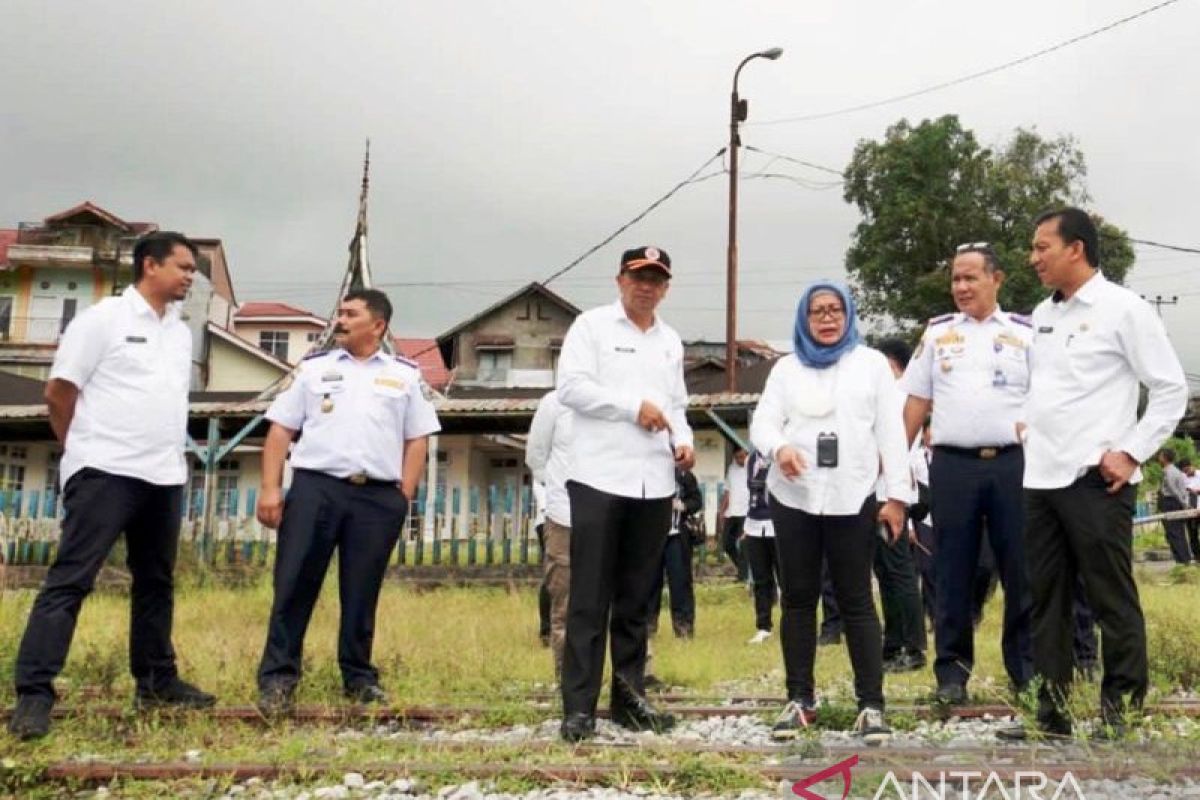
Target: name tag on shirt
[[390, 382], [1046, 329], [136, 339], [626, 349]]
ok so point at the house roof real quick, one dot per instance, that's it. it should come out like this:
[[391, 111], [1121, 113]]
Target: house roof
[[7, 237], [275, 311], [533, 286], [247, 347], [425, 352], [750, 380], [89, 208]]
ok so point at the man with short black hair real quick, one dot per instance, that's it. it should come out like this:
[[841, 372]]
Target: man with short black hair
[[972, 369], [366, 424], [118, 401], [621, 372], [1095, 342]]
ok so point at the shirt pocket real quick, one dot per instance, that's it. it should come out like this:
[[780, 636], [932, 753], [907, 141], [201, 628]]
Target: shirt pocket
[[388, 401], [134, 354]]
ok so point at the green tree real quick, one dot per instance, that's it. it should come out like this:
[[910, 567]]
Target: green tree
[[925, 189]]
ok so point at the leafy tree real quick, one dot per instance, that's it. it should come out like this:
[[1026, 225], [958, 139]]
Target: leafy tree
[[925, 189]]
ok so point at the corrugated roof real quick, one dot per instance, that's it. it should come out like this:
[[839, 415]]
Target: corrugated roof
[[271, 308]]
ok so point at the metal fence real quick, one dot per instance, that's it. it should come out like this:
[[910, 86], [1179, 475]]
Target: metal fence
[[458, 527]]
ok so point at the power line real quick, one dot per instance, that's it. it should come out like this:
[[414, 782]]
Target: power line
[[1176, 247], [641, 215], [972, 76], [799, 161]]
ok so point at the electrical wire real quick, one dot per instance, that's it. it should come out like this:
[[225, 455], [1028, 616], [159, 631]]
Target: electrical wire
[[970, 77]]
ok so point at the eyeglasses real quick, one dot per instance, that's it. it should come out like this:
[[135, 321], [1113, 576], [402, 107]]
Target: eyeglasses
[[972, 246], [832, 312]]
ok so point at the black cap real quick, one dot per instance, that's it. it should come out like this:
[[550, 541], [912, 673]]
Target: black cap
[[643, 257]]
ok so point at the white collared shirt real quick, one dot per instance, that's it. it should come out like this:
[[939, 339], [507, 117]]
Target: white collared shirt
[[548, 454], [857, 400], [737, 489], [976, 373], [608, 366], [1089, 355], [132, 369], [355, 415]]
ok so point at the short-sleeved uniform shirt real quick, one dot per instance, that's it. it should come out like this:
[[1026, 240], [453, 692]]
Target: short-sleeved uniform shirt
[[355, 415], [132, 368], [977, 375]]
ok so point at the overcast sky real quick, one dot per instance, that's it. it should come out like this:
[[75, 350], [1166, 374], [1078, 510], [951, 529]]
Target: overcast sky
[[509, 137]]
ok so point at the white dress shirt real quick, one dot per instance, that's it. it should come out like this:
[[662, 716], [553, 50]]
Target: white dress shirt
[[976, 373], [856, 399], [548, 454], [132, 369], [737, 490], [881, 487], [1193, 485], [1089, 355], [356, 415], [608, 366]]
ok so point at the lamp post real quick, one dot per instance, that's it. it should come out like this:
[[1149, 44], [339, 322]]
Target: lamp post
[[738, 109]]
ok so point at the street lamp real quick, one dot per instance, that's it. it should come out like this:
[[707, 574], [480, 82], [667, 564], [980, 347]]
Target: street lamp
[[738, 109]]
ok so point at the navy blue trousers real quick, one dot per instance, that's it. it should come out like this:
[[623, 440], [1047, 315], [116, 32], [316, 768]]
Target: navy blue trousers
[[968, 494]]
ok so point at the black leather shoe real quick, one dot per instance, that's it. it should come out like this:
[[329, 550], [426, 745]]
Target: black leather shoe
[[631, 710], [950, 694], [1019, 732], [275, 699], [367, 693], [177, 693], [31, 717], [829, 637], [577, 727]]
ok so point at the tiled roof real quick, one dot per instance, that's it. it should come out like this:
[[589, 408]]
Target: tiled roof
[[428, 357], [7, 237], [271, 308]]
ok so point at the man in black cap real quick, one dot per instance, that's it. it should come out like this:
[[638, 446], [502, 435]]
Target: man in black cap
[[621, 372]]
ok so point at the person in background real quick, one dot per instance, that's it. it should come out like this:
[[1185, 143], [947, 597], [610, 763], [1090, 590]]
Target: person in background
[[758, 546], [548, 456], [677, 560], [828, 417], [1173, 496], [538, 491], [1193, 524], [733, 507]]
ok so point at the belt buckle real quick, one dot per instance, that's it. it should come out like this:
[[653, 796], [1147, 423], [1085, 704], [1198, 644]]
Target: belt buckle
[[988, 452], [358, 479]]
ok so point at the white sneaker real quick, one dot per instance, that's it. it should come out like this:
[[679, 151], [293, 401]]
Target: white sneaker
[[759, 637], [871, 727]]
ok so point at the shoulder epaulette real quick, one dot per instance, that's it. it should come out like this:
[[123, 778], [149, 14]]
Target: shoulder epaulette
[[408, 362], [317, 354], [1021, 319], [941, 319]]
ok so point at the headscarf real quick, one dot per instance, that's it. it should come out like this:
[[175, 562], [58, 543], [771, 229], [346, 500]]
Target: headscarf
[[810, 352]]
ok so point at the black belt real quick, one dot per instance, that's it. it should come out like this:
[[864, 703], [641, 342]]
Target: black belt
[[357, 479], [977, 452]]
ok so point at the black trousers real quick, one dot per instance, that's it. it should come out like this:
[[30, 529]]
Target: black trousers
[[98, 507], [321, 515], [1193, 531], [925, 564], [763, 562], [831, 618], [543, 591], [616, 556], [1175, 530], [731, 539], [847, 543], [903, 621], [677, 565], [966, 492], [1082, 530]]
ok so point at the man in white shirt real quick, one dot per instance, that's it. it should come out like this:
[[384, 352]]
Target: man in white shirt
[[1193, 491], [117, 398], [972, 369], [548, 455], [366, 425], [621, 372], [1094, 343], [735, 502]]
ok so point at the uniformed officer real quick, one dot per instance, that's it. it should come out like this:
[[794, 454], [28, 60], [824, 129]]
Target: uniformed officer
[[1094, 343], [117, 398], [973, 367], [365, 426], [621, 372]]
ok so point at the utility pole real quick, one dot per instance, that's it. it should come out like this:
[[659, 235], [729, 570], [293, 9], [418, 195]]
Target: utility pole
[[1159, 301]]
